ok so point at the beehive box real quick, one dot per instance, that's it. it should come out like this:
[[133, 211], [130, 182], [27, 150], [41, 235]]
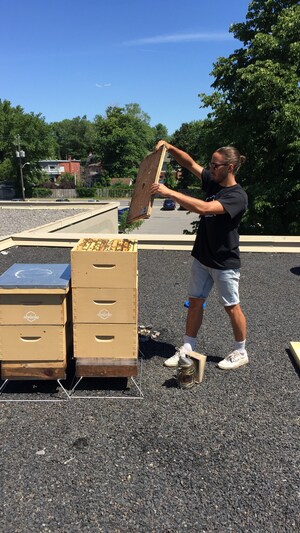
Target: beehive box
[[105, 340], [23, 306], [104, 263], [33, 343], [105, 308], [35, 317], [113, 306]]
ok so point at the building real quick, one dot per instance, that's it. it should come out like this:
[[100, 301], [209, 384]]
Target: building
[[121, 182], [55, 168], [92, 171]]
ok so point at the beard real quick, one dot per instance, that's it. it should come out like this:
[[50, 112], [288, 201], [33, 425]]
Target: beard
[[220, 176]]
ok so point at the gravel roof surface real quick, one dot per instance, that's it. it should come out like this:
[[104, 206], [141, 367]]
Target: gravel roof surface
[[220, 457], [18, 220]]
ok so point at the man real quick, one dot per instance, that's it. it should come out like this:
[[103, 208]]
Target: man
[[216, 248]]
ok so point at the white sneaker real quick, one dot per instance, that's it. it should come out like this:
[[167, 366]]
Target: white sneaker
[[174, 360], [234, 360]]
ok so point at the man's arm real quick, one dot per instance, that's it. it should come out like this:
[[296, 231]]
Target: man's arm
[[191, 204], [184, 159]]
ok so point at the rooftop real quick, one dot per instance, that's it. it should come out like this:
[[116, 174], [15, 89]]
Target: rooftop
[[222, 456]]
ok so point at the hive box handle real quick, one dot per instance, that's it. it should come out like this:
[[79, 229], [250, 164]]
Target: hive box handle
[[104, 302], [104, 338], [104, 266], [30, 339]]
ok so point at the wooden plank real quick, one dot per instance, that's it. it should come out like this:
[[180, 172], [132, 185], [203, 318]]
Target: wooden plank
[[33, 290], [295, 349], [43, 371], [149, 172], [199, 361], [107, 371]]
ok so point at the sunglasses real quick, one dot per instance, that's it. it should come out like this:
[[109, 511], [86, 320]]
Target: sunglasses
[[217, 165]]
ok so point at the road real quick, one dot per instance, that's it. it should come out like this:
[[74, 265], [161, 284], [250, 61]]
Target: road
[[165, 222]]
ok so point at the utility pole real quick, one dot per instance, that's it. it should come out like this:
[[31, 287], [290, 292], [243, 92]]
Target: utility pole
[[20, 153]]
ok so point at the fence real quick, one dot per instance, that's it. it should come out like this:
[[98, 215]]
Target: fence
[[113, 192], [107, 193], [63, 193]]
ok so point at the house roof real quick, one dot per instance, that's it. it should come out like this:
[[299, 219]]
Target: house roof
[[59, 161]]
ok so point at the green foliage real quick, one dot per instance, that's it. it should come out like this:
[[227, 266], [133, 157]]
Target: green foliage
[[40, 192], [103, 179], [74, 137], [6, 170], [191, 137], [67, 176], [256, 107], [35, 139], [160, 132], [262, 15], [67, 181], [128, 228], [120, 185], [123, 139], [195, 226], [85, 192], [170, 180]]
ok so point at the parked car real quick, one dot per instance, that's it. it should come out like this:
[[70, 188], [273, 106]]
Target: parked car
[[169, 205], [62, 200], [121, 212]]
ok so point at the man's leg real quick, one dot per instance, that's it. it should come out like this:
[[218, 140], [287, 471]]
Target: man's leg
[[200, 285], [228, 287], [194, 317], [238, 357], [193, 323], [238, 321]]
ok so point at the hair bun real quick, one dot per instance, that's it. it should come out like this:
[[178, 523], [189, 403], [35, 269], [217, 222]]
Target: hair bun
[[242, 159]]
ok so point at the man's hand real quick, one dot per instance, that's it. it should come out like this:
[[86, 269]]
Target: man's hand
[[159, 188], [162, 143], [183, 158]]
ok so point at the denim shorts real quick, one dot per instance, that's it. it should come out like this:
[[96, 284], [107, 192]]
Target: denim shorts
[[203, 279]]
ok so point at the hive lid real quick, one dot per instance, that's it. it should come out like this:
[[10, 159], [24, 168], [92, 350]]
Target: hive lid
[[36, 275]]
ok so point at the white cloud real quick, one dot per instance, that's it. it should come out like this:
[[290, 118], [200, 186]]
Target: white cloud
[[101, 85], [181, 38]]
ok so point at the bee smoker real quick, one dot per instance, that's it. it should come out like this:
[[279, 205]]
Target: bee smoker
[[186, 373]]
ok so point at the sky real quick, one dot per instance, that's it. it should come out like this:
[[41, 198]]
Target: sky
[[68, 58]]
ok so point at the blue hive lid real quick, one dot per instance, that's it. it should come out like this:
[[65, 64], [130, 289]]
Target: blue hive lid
[[36, 275]]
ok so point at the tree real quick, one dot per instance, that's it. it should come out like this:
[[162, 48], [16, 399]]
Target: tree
[[191, 137], [170, 180], [255, 106], [123, 139], [75, 137], [160, 132], [35, 138]]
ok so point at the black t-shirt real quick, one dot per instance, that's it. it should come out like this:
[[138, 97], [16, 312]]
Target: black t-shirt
[[217, 241]]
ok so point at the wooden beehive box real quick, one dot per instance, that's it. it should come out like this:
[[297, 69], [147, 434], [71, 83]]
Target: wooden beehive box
[[104, 288], [149, 173], [96, 305], [35, 321], [103, 263]]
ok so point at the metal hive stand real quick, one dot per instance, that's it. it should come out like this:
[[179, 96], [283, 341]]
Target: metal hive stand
[[138, 386], [4, 384]]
